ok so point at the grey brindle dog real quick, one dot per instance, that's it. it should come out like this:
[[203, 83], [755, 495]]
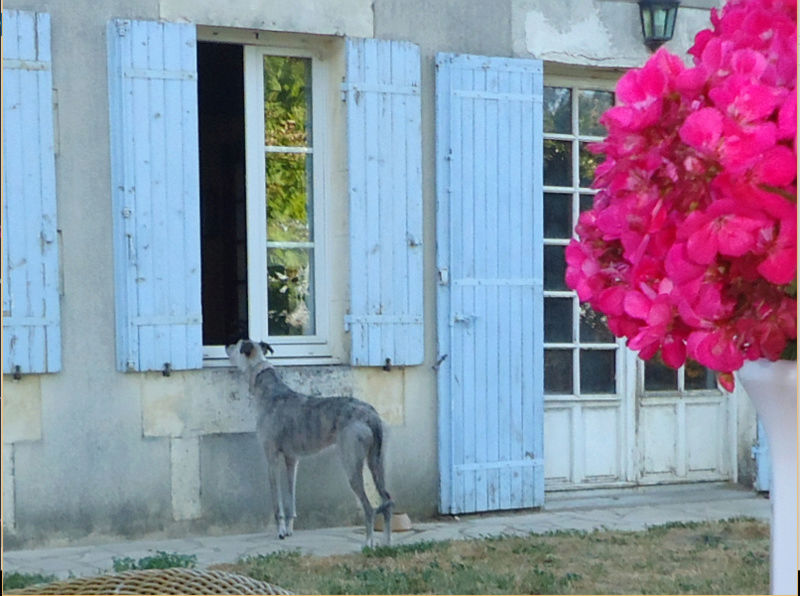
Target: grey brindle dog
[[291, 425]]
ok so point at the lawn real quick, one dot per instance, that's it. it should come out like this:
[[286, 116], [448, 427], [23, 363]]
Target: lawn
[[727, 557]]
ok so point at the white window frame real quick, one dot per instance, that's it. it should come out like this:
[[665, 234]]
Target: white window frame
[[680, 385], [306, 349], [576, 83]]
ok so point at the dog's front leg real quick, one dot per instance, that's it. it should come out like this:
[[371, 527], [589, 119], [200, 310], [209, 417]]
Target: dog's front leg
[[291, 479], [277, 499]]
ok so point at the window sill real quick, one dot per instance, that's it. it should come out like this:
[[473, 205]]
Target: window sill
[[214, 357]]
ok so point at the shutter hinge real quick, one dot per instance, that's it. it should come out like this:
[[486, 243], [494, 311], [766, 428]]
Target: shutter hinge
[[122, 27], [413, 241], [444, 276]]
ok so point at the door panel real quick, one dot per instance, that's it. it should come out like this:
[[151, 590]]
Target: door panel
[[490, 290]]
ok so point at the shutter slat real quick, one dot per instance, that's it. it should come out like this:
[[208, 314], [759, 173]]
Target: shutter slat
[[155, 171], [31, 303], [384, 161]]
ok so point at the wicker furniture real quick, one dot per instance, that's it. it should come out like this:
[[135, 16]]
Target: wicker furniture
[[157, 581]]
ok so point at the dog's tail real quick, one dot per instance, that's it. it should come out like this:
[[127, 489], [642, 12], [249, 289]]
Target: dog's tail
[[375, 458]]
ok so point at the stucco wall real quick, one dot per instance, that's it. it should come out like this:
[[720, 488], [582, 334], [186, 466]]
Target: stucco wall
[[91, 453], [605, 33]]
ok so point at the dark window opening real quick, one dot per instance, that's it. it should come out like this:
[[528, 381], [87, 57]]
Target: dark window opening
[[220, 85]]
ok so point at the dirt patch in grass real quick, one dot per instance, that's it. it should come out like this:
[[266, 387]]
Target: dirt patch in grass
[[728, 557]]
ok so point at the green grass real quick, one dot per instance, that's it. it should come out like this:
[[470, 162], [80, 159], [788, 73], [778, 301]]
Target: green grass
[[17, 581], [729, 557], [161, 560]]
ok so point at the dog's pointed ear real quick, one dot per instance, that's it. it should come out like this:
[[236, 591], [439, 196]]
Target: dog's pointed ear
[[266, 348], [246, 348]]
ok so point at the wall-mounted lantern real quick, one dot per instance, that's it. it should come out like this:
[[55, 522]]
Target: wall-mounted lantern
[[658, 21]]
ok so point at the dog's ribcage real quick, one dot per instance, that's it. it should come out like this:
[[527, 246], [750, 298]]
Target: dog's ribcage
[[300, 424]]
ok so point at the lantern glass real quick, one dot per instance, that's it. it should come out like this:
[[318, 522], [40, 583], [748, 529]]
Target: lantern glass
[[658, 21]]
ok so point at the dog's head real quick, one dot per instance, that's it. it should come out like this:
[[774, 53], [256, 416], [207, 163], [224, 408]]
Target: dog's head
[[246, 353]]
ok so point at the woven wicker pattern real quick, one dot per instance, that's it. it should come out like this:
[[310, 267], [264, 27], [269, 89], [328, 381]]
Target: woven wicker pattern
[[157, 581]]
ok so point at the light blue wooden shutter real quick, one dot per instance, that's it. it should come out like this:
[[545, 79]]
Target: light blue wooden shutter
[[31, 310], [489, 298], [385, 173], [156, 196]]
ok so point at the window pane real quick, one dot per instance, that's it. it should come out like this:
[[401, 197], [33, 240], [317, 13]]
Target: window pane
[[593, 326], [555, 267], [598, 371], [557, 215], [586, 202], [289, 197], [291, 292], [287, 101], [658, 376], [588, 163], [558, 320], [698, 377], [557, 163], [591, 105], [558, 371], [557, 110]]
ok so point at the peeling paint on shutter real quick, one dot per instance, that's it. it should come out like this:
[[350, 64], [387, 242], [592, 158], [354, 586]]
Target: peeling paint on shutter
[[489, 298], [385, 172], [31, 305], [155, 186]]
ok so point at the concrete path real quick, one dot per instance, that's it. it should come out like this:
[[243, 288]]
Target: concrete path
[[621, 509]]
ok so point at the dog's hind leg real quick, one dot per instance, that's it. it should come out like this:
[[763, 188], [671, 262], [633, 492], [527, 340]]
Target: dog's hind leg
[[353, 452], [291, 480], [375, 463], [356, 478]]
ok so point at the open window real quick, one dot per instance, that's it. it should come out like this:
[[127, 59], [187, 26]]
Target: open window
[[261, 121]]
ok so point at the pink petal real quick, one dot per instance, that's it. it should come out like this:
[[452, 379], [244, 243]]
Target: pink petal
[[780, 267], [610, 301], [701, 247], [778, 167], [702, 129], [660, 315], [735, 237], [637, 305], [787, 118], [678, 266], [673, 352], [727, 381]]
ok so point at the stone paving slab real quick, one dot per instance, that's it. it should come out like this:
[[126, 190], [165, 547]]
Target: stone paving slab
[[622, 509]]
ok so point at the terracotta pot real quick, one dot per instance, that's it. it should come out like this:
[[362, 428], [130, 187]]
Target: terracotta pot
[[772, 387], [400, 522]]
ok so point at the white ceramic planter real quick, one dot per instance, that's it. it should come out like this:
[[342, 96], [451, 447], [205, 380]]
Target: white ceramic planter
[[772, 387]]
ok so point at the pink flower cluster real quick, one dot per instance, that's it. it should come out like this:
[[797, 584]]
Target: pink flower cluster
[[690, 248]]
